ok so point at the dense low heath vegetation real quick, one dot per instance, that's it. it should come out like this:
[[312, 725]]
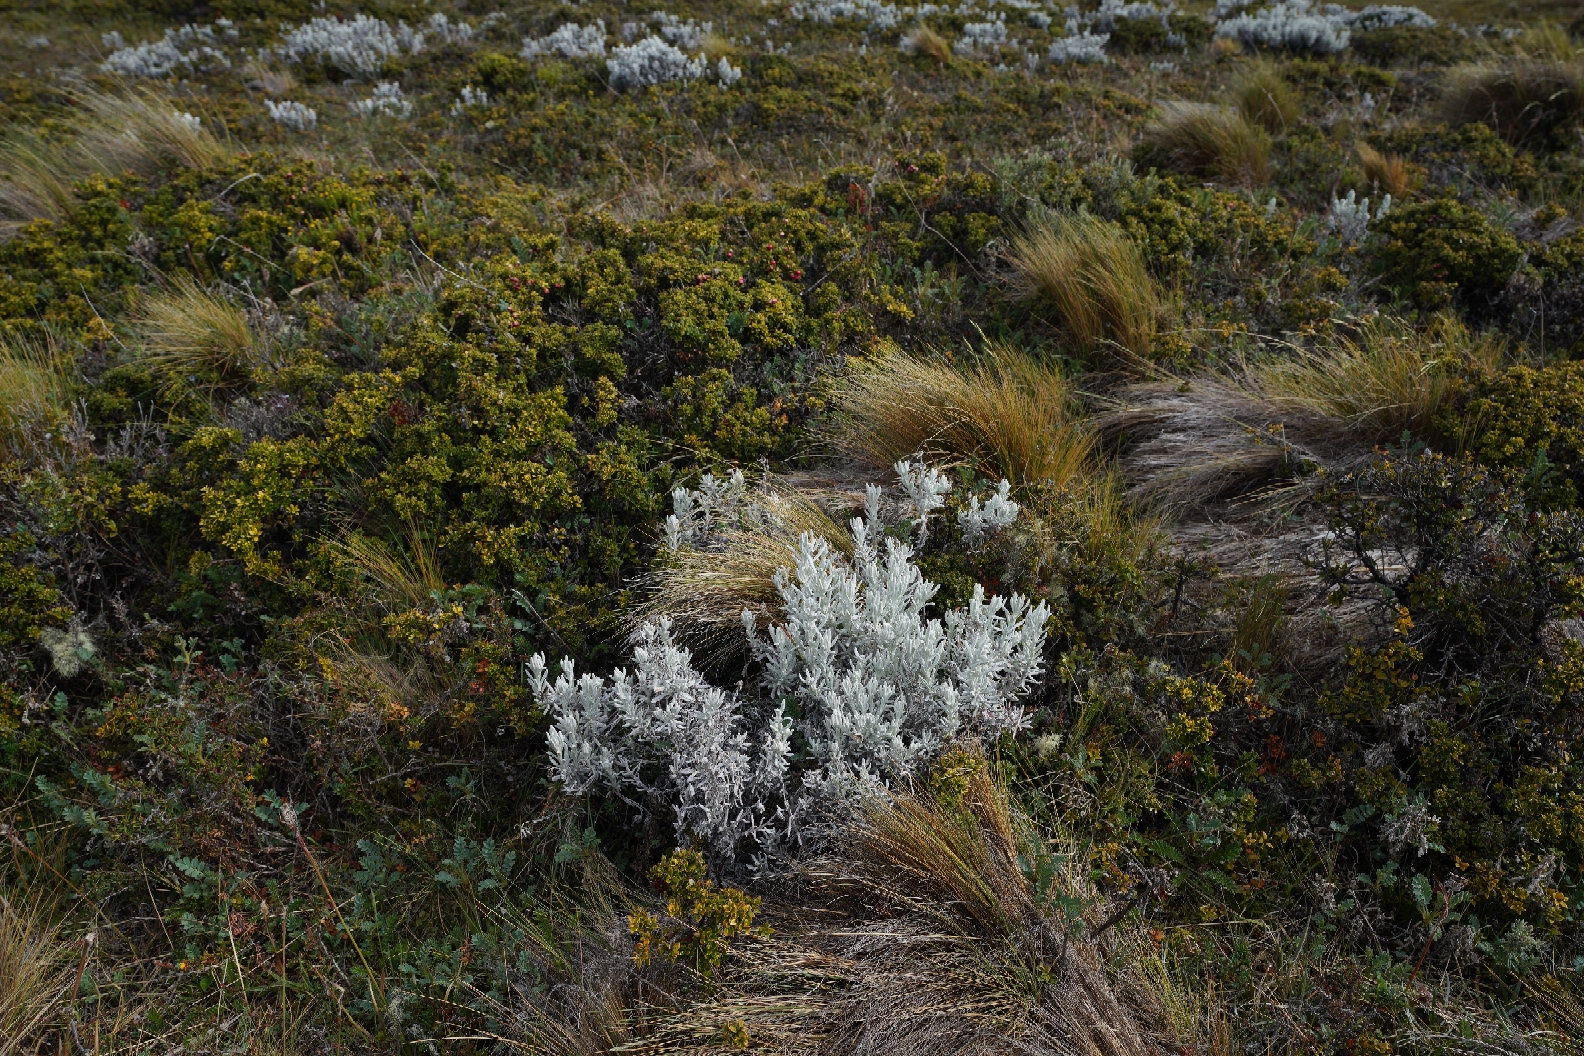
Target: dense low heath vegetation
[[822, 527]]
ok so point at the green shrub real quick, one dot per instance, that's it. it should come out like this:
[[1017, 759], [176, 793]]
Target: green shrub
[[1440, 251], [1532, 420], [700, 919]]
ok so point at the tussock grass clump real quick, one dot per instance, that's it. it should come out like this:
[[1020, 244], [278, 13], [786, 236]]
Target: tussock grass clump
[[706, 591], [399, 577], [143, 131], [36, 971], [1528, 98], [1210, 142], [137, 130], [35, 385], [197, 339], [1095, 278], [1387, 173], [36, 176], [1387, 380], [1008, 415], [922, 40], [1264, 98]]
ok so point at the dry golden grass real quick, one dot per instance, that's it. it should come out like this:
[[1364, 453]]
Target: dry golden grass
[[399, 578], [717, 47], [704, 591], [1387, 173], [1387, 380], [1094, 277], [37, 967], [196, 339], [1264, 98], [1008, 416], [1212, 142], [955, 849], [35, 386], [142, 131], [135, 129], [267, 77], [1521, 97], [36, 177], [922, 40]]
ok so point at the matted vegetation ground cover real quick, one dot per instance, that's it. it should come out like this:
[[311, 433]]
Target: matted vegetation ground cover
[[827, 528]]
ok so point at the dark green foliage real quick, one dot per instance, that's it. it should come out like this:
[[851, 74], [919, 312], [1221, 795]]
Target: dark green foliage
[[1440, 251], [1532, 420]]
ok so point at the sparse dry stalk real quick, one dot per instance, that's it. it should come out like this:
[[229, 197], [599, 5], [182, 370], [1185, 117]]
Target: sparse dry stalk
[[1094, 277]]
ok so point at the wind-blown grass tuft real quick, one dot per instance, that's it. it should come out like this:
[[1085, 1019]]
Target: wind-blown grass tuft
[[1264, 98], [1093, 276], [922, 40], [140, 131], [1387, 173], [36, 971], [1388, 380], [197, 339], [1008, 416], [1211, 142], [35, 385]]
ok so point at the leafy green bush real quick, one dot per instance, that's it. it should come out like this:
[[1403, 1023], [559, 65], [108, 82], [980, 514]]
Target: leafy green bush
[[1532, 420], [1438, 251]]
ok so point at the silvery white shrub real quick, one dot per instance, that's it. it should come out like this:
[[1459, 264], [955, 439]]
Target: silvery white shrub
[[1040, 20], [998, 511], [1105, 17], [1082, 47], [359, 46], [570, 41], [442, 28], [292, 115], [877, 15], [1389, 16], [1349, 218], [879, 689], [469, 96], [1292, 24], [926, 488], [387, 101], [981, 36], [726, 73], [191, 47], [649, 62], [688, 36]]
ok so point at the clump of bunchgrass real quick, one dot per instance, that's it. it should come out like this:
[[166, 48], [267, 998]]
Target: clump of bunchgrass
[[198, 340], [1530, 97], [1387, 173], [113, 132], [36, 968], [1387, 380], [1093, 276], [142, 131], [1008, 415], [1264, 98], [922, 40], [704, 591], [36, 176], [1211, 142], [35, 385]]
